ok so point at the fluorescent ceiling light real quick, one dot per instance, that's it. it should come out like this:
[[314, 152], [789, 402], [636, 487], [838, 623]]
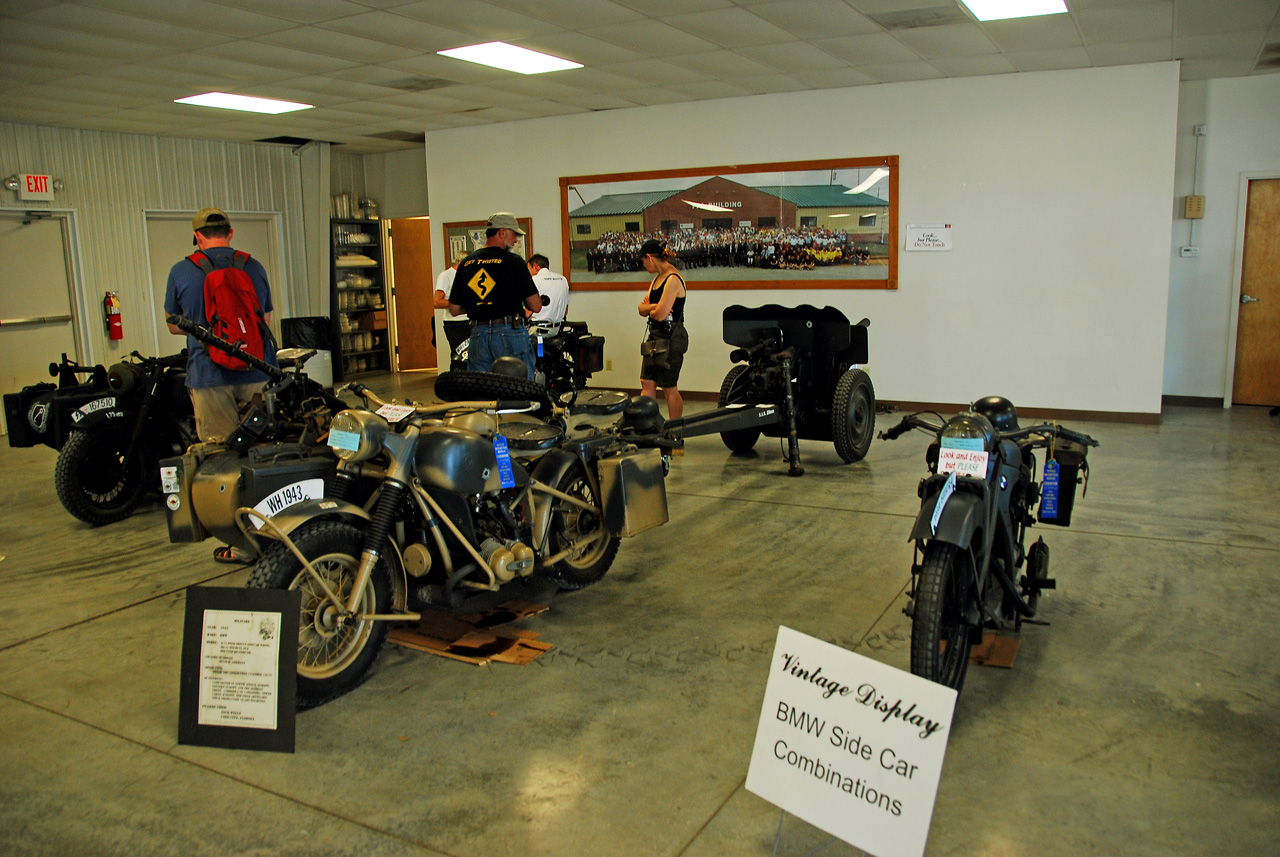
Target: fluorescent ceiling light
[[248, 103], [998, 10], [702, 206], [879, 173], [509, 58]]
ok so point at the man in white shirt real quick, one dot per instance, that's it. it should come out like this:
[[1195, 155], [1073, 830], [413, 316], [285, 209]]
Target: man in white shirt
[[553, 287], [456, 328]]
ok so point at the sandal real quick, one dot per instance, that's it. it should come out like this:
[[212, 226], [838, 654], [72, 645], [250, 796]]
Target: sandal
[[227, 553]]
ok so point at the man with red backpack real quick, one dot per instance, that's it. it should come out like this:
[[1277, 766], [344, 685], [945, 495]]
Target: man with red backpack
[[227, 290]]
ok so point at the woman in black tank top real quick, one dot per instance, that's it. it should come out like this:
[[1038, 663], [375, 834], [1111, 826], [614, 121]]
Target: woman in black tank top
[[663, 306]]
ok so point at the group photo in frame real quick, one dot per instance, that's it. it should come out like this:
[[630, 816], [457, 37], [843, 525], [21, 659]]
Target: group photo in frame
[[825, 224], [465, 237]]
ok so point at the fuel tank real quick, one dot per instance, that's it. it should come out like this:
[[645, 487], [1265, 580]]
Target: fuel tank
[[461, 461]]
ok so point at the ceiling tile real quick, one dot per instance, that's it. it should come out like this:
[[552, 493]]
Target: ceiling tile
[[220, 73], [1127, 25], [973, 66], [721, 65], [22, 32], [1033, 34], [871, 49], [902, 72], [713, 89], [1222, 16], [335, 88], [597, 101], [582, 48], [237, 23], [273, 56], [835, 78], [654, 95], [484, 22], [951, 40], [573, 14], [1049, 60], [419, 36], [447, 68], [815, 19], [772, 83], [729, 28], [130, 28], [1208, 46], [650, 72], [652, 38], [792, 57], [658, 8], [318, 40], [308, 12], [1160, 50]]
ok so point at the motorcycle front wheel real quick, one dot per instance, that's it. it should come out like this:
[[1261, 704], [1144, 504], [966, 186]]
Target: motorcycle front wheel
[[940, 635], [334, 656], [572, 524], [93, 480]]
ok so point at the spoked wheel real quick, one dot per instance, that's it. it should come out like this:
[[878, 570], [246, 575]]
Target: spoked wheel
[[940, 635], [853, 415], [335, 651], [582, 532], [733, 392], [93, 480]]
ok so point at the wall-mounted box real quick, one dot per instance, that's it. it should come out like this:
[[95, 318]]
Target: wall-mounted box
[[1194, 208]]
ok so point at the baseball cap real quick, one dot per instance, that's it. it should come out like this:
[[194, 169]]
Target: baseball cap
[[210, 217], [505, 220]]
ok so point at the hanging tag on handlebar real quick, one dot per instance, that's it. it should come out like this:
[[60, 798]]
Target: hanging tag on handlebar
[[1049, 491], [395, 413], [504, 462]]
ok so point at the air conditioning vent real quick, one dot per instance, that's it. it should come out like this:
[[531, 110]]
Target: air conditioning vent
[[416, 84], [911, 19]]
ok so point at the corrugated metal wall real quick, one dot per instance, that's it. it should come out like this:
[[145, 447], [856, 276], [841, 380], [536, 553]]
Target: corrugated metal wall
[[111, 179]]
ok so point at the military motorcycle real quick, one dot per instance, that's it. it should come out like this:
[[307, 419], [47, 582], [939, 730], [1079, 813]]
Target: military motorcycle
[[566, 356], [483, 491], [109, 430], [970, 535]]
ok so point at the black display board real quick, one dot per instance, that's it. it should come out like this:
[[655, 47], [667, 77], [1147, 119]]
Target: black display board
[[239, 668]]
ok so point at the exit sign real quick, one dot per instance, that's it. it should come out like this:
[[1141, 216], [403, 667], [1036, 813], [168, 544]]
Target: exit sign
[[35, 187]]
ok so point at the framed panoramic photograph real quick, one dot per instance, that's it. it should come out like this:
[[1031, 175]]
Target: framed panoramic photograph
[[828, 224], [466, 237]]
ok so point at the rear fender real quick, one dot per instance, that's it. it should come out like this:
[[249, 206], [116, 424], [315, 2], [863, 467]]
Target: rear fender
[[961, 518]]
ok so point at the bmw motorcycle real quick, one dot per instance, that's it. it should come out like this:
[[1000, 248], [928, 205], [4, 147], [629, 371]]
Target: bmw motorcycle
[[566, 356], [110, 429], [483, 491], [970, 535]]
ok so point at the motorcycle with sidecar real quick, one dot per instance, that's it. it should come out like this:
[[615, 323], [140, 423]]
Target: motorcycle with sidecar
[[970, 534]]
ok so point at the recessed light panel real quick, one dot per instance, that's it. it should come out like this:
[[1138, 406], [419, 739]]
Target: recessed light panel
[[999, 10], [226, 101], [510, 58]]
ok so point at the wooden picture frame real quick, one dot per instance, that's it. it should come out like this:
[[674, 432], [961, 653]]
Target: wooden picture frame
[[467, 236], [822, 224]]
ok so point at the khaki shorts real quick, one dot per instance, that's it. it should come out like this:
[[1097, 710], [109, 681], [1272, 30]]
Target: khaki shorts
[[218, 408]]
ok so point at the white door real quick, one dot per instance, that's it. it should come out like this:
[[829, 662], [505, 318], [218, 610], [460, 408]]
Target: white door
[[37, 322], [169, 240]]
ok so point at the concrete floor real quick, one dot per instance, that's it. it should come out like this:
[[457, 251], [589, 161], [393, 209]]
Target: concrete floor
[[1141, 722]]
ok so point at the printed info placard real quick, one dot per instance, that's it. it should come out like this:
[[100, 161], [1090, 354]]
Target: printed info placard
[[850, 745]]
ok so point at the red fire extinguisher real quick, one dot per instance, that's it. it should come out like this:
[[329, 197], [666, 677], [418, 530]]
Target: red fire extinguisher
[[111, 307]]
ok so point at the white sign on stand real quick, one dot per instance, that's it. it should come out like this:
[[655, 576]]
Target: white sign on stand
[[850, 745]]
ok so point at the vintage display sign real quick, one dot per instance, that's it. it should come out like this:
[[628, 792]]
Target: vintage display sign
[[851, 745]]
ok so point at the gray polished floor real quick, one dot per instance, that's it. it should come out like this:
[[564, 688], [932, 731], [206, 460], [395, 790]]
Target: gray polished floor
[[1141, 721]]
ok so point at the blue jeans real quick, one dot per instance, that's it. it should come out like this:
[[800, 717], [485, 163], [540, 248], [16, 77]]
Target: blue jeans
[[491, 341]]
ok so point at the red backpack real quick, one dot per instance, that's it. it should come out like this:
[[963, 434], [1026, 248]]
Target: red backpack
[[231, 308]]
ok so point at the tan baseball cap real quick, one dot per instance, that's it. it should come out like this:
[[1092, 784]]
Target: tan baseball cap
[[505, 220], [210, 217]]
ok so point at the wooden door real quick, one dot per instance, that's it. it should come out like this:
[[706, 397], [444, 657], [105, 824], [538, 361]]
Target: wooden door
[[37, 320], [415, 292], [1257, 377]]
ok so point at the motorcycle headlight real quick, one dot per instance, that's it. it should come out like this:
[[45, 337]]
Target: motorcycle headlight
[[969, 431], [357, 435]]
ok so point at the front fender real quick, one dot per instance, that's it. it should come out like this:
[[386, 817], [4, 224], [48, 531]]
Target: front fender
[[298, 514], [961, 518], [550, 469], [98, 412]]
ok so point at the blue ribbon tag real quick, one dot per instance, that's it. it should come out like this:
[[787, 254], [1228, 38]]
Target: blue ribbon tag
[[504, 462], [1049, 492], [539, 344]]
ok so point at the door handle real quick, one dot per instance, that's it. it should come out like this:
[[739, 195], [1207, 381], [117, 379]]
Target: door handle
[[1249, 299]]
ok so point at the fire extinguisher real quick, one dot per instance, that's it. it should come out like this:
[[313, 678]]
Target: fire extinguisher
[[111, 307]]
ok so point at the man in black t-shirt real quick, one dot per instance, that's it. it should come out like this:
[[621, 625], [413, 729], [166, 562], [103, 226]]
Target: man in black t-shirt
[[493, 287]]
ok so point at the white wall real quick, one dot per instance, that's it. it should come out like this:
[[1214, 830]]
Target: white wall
[[1243, 119], [398, 181], [1058, 185]]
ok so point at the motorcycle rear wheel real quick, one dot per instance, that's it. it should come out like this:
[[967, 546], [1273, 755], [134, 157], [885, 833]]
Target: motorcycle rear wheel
[[93, 480], [333, 657], [570, 524], [940, 637], [853, 415], [732, 393]]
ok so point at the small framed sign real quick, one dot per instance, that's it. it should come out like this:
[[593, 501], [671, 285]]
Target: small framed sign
[[239, 668]]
